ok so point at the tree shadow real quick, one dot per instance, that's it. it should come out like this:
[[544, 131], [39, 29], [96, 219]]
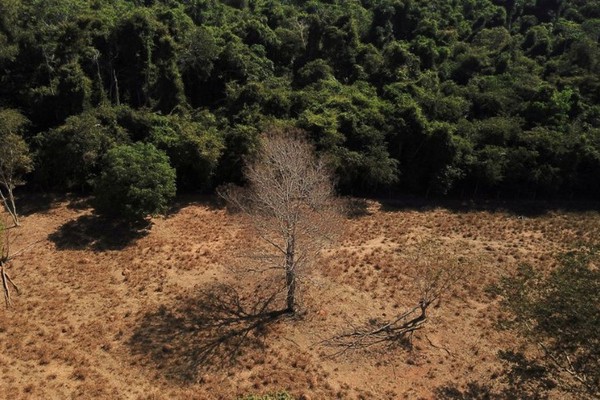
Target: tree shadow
[[520, 208], [96, 233], [521, 378], [182, 201], [29, 203], [356, 208], [204, 333], [80, 203], [473, 391]]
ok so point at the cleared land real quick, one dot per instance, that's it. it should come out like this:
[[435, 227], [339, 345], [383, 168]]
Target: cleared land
[[106, 314]]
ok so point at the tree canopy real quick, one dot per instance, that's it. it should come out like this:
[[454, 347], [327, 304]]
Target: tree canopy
[[469, 96], [136, 181]]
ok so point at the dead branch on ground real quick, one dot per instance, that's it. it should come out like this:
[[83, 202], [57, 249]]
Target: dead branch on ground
[[436, 275], [377, 332]]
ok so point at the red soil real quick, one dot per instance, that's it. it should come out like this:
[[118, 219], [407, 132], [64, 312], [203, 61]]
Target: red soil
[[104, 315]]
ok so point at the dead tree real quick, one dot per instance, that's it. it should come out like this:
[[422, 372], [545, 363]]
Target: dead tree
[[289, 200], [435, 275], [377, 332], [6, 259]]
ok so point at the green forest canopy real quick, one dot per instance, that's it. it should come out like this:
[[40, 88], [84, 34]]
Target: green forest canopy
[[422, 96]]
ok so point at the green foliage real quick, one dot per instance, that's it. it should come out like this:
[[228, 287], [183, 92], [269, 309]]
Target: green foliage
[[194, 148], [15, 158], [428, 97], [136, 181], [348, 123], [69, 156], [12, 122]]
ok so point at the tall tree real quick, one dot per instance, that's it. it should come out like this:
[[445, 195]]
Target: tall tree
[[290, 201]]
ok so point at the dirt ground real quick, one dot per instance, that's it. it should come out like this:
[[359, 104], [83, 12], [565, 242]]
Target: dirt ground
[[105, 313]]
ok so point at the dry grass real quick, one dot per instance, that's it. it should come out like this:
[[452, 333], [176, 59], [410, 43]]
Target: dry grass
[[110, 315]]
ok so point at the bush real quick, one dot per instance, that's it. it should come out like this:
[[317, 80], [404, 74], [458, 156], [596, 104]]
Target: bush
[[136, 181]]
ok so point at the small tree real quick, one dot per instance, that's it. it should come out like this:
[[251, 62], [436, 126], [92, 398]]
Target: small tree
[[15, 160], [137, 180], [434, 273], [289, 198]]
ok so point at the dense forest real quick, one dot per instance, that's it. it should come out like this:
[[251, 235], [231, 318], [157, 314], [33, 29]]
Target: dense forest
[[432, 97]]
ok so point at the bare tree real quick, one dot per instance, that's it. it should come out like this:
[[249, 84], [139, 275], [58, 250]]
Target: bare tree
[[434, 274], [15, 160], [289, 199]]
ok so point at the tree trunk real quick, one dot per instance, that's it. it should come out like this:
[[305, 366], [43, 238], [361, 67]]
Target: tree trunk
[[11, 210], [290, 277], [116, 83], [14, 207]]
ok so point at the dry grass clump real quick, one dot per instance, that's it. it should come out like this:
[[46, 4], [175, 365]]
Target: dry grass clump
[[97, 320]]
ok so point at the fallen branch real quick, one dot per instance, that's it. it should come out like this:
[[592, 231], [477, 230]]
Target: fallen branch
[[391, 332], [569, 368], [438, 347]]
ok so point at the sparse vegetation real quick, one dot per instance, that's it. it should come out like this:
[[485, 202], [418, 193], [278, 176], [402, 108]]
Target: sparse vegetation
[[158, 294], [112, 108], [276, 396]]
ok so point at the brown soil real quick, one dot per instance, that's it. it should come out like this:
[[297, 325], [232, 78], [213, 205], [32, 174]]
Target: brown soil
[[106, 314]]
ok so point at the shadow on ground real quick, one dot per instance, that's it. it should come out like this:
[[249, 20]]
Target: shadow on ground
[[37, 203], [212, 202], [520, 208], [203, 333], [91, 232], [356, 207], [521, 378]]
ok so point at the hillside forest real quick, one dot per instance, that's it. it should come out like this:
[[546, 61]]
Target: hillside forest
[[362, 199], [461, 97]]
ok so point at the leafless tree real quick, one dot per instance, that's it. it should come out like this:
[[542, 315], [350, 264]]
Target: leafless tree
[[290, 201], [434, 274], [15, 160]]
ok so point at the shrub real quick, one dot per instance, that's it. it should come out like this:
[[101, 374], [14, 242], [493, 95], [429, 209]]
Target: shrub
[[136, 181]]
